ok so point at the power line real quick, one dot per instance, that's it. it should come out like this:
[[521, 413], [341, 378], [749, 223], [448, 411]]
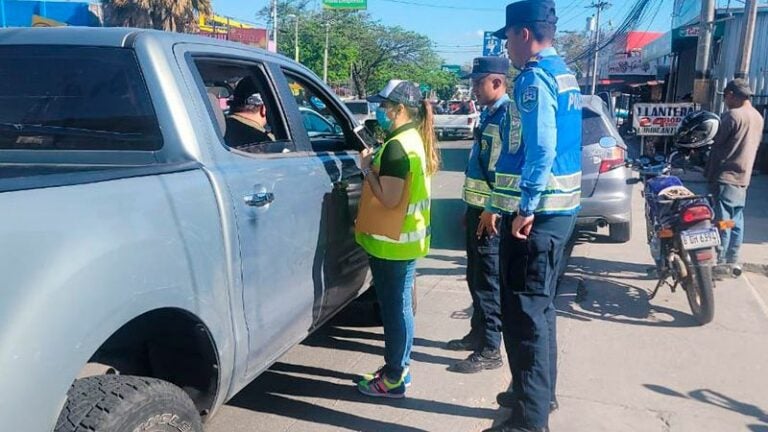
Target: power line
[[435, 6]]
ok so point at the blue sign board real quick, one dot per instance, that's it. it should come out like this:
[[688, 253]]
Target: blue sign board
[[18, 13], [492, 46]]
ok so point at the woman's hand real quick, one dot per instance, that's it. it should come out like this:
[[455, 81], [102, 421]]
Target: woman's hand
[[366, 156]]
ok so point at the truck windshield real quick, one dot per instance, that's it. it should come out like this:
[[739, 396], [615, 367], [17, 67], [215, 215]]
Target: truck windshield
[[74, 98]]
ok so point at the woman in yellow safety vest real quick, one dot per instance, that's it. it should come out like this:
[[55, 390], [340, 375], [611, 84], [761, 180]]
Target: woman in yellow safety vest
[[399, 169]]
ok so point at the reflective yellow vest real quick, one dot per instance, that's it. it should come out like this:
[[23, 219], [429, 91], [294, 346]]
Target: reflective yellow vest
[[415, 235]]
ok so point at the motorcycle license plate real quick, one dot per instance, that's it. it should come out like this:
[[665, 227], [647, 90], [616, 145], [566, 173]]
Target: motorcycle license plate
[[700, 239]]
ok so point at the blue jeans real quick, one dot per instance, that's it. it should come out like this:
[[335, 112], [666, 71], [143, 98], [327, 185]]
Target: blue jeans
[[729, 205], [393, 281], [483, 281], [529, 272]]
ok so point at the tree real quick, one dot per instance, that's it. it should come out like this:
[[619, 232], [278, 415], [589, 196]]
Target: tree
[[169, 15], [363, 53], [570, 45], [385, 48]]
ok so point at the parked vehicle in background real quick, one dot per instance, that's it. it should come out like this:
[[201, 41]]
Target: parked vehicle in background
[[150, 268], [362, 110], [457, 119], [606, 185]]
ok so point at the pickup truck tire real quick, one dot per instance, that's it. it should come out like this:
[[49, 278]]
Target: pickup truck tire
[[117, 403]]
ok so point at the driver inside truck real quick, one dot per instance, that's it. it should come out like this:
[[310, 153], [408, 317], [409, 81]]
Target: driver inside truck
[[247, 124]]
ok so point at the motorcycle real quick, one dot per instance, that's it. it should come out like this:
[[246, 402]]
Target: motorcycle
[[683, 235]]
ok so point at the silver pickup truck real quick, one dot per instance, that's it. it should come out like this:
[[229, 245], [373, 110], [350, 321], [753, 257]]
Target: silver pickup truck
[[151, 268]]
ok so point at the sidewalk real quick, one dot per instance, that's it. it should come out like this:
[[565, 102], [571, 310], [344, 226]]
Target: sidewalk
[[629, 363]]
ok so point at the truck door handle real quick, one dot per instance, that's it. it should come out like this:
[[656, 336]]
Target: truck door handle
[[259, 199]]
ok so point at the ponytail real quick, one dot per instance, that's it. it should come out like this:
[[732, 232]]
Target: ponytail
[[427, 132]]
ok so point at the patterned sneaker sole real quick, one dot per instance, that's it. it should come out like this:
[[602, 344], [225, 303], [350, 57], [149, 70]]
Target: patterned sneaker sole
[[367, 392], [368, 377]]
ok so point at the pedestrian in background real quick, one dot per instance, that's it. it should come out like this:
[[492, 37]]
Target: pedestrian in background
[[538, 191], [402, 167], [489, 84], [729, 170]]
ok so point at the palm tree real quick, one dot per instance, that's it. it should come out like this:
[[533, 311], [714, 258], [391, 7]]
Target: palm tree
[[169, 15]]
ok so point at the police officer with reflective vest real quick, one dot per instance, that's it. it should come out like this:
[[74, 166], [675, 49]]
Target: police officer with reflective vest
[[489, 85], [538, 190]]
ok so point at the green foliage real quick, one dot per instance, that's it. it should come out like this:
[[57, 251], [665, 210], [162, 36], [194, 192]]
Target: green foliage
[[169, 15], [363, 54], [570, 45]]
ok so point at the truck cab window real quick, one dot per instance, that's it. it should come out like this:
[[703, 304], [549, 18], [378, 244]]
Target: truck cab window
[[75, 98], [323, 122], [244, 107]]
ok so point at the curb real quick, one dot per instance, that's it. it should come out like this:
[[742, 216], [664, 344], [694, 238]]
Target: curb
[[756, 268]]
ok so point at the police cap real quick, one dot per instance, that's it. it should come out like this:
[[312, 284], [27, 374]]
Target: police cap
[[526, 12], [482, 66]]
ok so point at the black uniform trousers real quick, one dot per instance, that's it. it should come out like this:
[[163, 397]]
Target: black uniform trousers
[[529, 273], [483, 282]]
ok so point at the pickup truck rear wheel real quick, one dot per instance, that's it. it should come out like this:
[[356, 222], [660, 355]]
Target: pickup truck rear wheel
[[118, 403]]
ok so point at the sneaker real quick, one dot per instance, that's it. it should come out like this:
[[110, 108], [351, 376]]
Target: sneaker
[[721, 271], [371, 376], [467, 343], [380, 386], [508, 426], [509, 399], [478, 361]]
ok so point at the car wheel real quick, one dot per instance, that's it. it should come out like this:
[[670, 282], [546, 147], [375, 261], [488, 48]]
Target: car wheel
[[620, 232], [119, 403]]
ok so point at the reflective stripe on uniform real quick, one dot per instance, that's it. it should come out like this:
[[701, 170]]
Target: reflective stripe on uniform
[[492, 131], [405, 237], [549, 202], [505, 203], [475, 185], [566, 83], [559, 202], [565, 183], [420, 206], [475, 199]]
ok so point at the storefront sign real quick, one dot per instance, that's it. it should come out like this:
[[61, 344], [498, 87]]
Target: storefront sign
[[660, 119], [250, 36], [630, 64], [345, 4]]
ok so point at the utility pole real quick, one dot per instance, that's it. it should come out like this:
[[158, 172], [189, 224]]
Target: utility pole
[[295, 36], [274, 23], [702, 86], [747, 39], [599, 6], [325, 56]]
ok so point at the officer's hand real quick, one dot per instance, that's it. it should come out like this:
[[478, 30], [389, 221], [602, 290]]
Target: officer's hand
[[488, 223], [521, 227]]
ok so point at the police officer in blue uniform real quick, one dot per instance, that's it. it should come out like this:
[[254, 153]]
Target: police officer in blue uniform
[[538, 191], [489, 85]]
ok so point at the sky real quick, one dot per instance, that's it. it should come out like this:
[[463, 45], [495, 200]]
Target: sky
[[457, 26]]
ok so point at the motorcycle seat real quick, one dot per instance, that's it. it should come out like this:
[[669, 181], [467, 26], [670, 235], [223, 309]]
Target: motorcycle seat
[[675, 192]]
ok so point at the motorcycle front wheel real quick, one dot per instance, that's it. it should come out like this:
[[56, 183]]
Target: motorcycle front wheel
[[698, 285]]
